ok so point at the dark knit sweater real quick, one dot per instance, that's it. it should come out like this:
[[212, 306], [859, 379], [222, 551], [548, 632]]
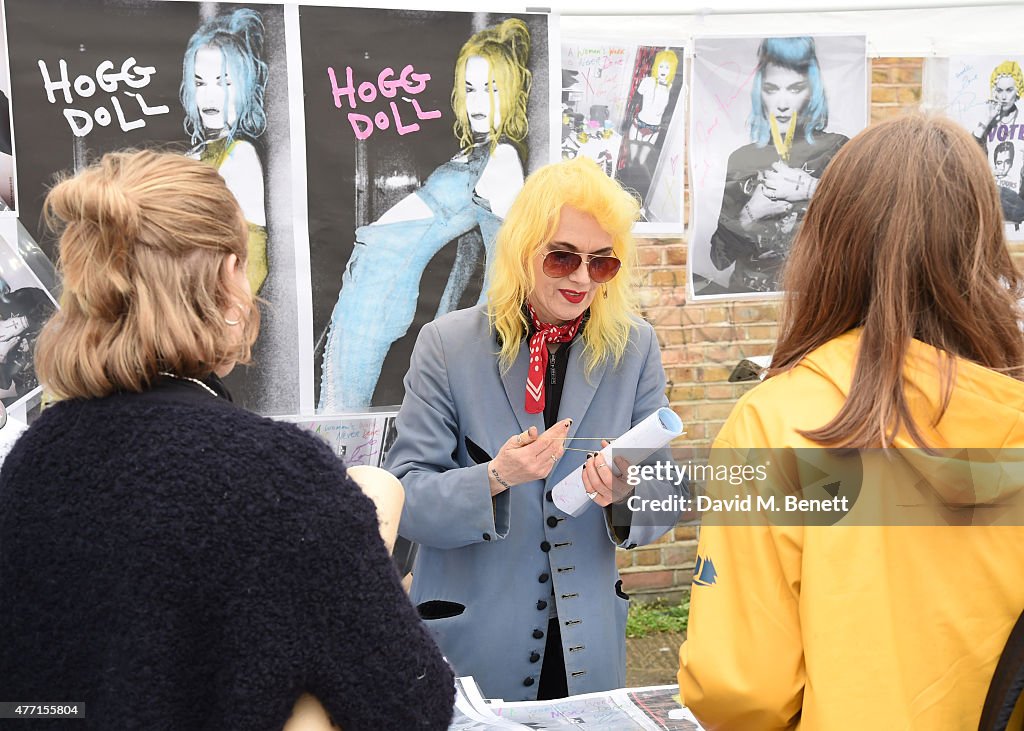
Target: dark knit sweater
[[175, 562]]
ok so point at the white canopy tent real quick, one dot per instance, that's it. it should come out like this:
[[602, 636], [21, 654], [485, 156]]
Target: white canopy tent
[[900, 28]]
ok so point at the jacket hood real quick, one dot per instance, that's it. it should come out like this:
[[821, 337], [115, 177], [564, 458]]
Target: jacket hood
[[978, 443]]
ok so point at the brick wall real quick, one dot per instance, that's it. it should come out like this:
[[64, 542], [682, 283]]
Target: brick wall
[[701, 343]]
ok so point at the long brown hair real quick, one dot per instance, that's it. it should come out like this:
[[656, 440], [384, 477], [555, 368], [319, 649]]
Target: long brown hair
[[143, 243], [904, 238]]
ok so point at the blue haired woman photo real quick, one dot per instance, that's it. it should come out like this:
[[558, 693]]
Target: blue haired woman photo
[[223, 84], [770, 181]]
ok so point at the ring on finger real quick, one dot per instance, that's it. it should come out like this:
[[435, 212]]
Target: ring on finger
[[519, 439], [592, 495], [554, 458]]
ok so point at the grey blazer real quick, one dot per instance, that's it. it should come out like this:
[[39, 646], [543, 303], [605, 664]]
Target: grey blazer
[[489, 570]]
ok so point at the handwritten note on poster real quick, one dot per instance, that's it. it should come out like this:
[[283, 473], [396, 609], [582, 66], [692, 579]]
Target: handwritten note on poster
[[360, 439]]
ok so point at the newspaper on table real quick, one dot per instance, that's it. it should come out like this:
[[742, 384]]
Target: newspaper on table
[[660, 704], [654, 708], [472, 712]]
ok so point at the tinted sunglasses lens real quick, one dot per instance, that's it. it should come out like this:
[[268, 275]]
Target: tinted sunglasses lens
[[561, 263], [603, 268]]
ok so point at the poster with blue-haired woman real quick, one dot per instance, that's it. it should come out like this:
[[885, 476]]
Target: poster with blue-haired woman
[[420, 129], [207, 79], [769, 114]]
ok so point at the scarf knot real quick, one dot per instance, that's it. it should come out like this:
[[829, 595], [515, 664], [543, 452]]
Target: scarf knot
[[544, 333]]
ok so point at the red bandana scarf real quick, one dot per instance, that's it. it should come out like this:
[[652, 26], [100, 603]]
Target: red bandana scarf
[[543, 334]]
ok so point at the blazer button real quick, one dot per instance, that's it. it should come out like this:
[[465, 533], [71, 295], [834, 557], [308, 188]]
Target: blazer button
[[537, 634], [541, 605], [550, 497], [534, 656], [543, 578], [528, 682], [552, 521], [545, 546], [487, 536]]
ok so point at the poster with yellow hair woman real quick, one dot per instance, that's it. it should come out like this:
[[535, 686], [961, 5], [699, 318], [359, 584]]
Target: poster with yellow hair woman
[[986, 95], [420, 128], [622, 106]]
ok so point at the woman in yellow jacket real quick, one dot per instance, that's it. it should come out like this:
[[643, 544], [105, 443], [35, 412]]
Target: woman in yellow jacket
[[900, 339]]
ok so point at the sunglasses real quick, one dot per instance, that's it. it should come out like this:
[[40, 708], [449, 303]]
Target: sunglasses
[[563, 263]]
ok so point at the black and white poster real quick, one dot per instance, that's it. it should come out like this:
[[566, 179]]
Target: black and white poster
[[622, 106], [768, 116], [420, 128], [986, 95], [25, 306], [207, 80]]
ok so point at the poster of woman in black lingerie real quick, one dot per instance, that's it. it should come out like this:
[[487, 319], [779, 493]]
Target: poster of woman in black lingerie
[[622, 106], [420, 128], [769, 115], [206, 79]]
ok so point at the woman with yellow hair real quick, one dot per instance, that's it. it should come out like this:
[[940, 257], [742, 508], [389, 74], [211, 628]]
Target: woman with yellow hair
[[517, 593], [474, 189], [1007, 85], [654, 92], [1002, 126]]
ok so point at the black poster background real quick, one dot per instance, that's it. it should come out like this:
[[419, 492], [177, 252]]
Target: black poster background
[[344, 175], [86, 32]]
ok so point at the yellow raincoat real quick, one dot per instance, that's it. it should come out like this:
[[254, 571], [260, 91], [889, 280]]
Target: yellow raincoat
[[870, 625]]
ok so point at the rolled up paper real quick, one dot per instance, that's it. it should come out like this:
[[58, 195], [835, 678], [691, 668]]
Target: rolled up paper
[[647, 437]]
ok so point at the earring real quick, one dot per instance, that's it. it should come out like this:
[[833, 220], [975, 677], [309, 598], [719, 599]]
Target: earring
[[232, 323], [604, 289]]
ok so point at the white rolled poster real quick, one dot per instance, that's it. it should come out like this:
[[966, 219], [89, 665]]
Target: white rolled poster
[[647, 437]]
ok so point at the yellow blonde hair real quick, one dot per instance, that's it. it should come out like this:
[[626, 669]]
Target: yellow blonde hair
[[529, 226], [673, 64], [1011, 69], [144, 236], [506, 48]]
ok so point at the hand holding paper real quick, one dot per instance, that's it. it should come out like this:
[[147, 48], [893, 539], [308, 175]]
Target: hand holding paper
[[527, 456], [571, 494], [606, 485]]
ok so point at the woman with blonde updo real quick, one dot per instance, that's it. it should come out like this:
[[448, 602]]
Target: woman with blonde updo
[[169, 559]]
